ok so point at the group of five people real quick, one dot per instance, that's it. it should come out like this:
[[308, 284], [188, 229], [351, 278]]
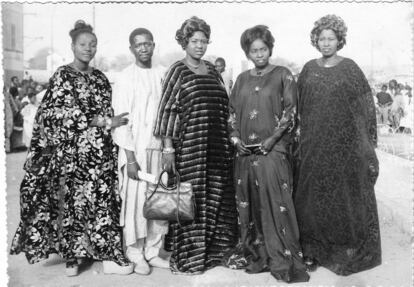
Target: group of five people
[[283, 173]]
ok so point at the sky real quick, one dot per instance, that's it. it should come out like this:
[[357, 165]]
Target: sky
[[379, 34]]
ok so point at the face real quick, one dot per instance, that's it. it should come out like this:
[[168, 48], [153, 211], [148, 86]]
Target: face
[[328, 43], [259, 53], [39, 88], [220, 67], [142, 48], [84, 48], [197, 45], [16, 81], [392, 84], [32, 100]]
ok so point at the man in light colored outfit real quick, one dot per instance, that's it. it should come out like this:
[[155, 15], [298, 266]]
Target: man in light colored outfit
[[137, 91], [226, 75]]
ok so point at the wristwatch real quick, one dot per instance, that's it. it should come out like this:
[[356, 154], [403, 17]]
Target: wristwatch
[[108, 123]]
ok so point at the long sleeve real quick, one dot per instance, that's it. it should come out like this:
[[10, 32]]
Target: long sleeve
[[287, 121], [122, 103], [233, 122], [167, 123], [61, 116], [363, 89]]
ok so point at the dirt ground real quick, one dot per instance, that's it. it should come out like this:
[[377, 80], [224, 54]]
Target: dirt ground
[[396, 269]]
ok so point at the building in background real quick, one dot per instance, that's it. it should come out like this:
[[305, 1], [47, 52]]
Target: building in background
[[12, 18]]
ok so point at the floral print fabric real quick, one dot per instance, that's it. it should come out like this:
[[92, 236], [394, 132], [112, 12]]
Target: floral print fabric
[[68, 198]]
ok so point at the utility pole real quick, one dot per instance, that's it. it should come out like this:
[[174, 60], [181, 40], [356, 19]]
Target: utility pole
[[94, 27]]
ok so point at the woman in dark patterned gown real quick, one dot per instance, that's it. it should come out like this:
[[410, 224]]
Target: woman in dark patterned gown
[[335, 200], [263, 113], [192, 120], [69, 201]]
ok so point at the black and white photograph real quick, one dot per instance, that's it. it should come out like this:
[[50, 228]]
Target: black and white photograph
[[207, 143]]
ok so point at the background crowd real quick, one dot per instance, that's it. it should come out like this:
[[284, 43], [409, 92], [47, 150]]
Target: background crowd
[[21, 99]]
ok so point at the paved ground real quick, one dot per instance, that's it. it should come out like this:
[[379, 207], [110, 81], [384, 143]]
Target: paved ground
[[396, 269]]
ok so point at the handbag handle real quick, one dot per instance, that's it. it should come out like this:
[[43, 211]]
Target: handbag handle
[[177, 187]]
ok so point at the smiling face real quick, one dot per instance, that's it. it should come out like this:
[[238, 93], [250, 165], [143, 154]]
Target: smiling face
[[84, 47], [197, 45], [259, 53], [328, 43], [142, 48]]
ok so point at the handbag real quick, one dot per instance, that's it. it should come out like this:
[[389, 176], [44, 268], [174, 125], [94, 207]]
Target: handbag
[[174, 204]]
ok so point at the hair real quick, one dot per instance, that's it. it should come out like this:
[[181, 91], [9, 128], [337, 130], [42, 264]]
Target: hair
[[80, 28], [384, 87], [220, 59], [329, 22], [14, 77], [257, 32], [189, 27], [139, 31]]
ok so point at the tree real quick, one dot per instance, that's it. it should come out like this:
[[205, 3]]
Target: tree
[[38, 62]]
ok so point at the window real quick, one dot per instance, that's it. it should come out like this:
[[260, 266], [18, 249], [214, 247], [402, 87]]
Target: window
[[13, 37]]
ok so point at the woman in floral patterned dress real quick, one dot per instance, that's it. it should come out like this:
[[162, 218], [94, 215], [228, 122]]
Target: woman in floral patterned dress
[[69, 198], [262, 113]]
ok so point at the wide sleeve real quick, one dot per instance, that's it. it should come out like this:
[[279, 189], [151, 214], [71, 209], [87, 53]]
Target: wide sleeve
[[287, 121], [364, 91], [233, 121], [61, 117], [122, 103], [167, 122]]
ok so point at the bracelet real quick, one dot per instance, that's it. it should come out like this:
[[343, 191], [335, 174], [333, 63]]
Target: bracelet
[[101, 121], [235, 140], [168, 150], [132, 162], [108, 123]]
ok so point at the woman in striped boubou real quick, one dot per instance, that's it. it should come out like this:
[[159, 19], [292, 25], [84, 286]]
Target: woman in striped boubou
[[192, 120]]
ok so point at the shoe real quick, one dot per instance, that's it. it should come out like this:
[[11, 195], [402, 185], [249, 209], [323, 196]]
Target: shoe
[[142, 267], [159, 263], [72, 267], [311, 264], [111, 267]]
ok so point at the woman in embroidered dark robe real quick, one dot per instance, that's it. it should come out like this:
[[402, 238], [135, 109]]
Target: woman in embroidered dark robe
[[263, 112], [69, 200], [192, 120], [337, 165]]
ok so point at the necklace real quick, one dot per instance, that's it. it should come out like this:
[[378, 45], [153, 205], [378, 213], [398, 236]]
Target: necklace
[[88, 70], [194, 66]]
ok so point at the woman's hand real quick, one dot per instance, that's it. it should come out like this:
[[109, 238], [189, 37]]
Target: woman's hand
[[119, 120], [168, 162], [132, 170], [241, 149], [266, 146]]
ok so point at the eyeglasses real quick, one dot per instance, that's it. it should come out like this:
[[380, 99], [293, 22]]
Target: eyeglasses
[[147, 45], [203, 42]]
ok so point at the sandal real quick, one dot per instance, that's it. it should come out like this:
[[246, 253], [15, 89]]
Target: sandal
[[311, 264], [119, 266], [72, 267]]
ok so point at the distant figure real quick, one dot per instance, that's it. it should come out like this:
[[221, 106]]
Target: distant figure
[[397, 107], [29, 113], [392, 85], [220, 65], [407, 122], [40, 92], [384, 104], [14, 86]]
